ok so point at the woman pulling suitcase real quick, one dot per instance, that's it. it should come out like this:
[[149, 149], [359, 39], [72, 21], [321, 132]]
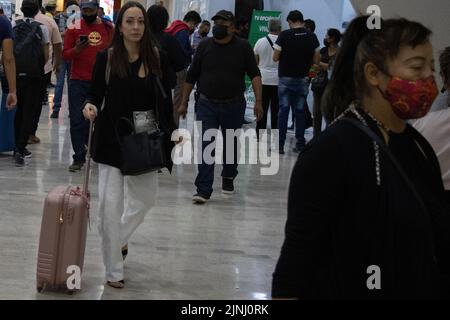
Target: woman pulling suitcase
[[126, 77]]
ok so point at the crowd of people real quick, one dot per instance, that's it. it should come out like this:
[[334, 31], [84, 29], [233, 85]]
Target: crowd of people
[[366, 191]]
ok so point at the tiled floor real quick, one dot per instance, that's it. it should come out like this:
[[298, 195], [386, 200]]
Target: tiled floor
[[226, 249]]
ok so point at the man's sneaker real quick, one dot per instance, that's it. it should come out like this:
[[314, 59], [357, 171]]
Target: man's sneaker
[[227, 186], [19, 159], [76, 166], [54, 115], [33, 139], [27, 154], [200, 198], [281, 150]]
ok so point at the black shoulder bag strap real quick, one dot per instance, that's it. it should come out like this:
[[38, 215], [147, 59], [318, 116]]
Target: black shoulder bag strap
[[391, 157], [270, 41]]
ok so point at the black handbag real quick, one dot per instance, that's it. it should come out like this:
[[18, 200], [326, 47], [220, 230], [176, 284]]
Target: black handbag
[[319, 82], [141, 152]]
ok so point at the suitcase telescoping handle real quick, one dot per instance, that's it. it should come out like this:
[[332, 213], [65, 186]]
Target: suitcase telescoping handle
[[87, 169]]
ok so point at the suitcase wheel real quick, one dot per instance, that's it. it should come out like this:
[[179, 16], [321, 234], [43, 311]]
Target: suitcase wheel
[[70, 292], [40, 287]]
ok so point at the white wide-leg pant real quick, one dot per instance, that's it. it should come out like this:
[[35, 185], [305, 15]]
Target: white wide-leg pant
[[123, 203]]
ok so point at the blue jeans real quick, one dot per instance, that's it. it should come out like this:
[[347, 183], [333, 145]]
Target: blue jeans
[[64, 72], [79, 127], [213, 116], [292, 92]]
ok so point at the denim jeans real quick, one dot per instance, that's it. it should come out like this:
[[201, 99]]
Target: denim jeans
[[213, 116], [79, 127], [292, 92], [64, 72]]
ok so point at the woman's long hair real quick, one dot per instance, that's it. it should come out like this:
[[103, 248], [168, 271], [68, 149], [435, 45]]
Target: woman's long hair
[[361, 46], [120, 65]]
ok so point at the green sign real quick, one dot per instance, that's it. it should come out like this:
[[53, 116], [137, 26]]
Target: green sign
[[259, 28], [260, 24]]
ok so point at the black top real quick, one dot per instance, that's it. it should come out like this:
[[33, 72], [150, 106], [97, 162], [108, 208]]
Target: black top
[[324, 56], [340, 222], [119, 102], [297, 52], [173, 49], [219, 70], [142, 89]]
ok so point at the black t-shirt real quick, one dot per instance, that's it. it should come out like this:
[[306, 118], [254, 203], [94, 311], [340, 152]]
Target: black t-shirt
[[297, 48], [219, 70]]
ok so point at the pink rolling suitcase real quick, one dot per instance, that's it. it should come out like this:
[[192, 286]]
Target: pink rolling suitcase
[[63, 235]]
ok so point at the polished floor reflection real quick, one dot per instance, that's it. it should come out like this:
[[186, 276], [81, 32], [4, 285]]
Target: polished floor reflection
[[226, 249]]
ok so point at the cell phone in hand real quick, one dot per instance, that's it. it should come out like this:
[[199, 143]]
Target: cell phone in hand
[[83, 38]]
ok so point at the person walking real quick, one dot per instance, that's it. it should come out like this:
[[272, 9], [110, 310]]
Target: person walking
[[6, 45], [182, 30], [219, 69], [31, 41], [80, 48], [130, 91], [367, 213], [327, 56], [62, 19], [269, 73], [296, 50]]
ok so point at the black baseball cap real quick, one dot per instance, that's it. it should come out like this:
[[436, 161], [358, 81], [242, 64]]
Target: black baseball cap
[[89, 4], [225, 15]]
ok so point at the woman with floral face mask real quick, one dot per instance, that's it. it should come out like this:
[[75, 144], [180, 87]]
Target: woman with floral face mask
[[367, 216]]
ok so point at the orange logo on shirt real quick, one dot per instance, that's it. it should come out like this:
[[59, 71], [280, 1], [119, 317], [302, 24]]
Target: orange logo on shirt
[[95, 38]]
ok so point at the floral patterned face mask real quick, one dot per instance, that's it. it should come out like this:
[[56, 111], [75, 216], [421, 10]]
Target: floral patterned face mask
[[411, 99]]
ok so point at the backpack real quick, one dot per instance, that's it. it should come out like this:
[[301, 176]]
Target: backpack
[[28, 49]]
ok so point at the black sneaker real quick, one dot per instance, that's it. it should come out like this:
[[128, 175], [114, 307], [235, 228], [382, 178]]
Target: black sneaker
[[227, 185], [27, 154], [200, 198], [19, 159], [76, 166], [54, 115], [281, 150]]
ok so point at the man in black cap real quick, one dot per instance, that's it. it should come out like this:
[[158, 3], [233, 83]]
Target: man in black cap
[[219, 69]]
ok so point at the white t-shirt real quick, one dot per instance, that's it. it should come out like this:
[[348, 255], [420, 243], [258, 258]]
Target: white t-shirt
[[268, 67], [54, 37]]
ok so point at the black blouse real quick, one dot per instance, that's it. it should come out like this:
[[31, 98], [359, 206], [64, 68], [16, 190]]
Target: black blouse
[[340, 222], [121, 97], [141, 89]]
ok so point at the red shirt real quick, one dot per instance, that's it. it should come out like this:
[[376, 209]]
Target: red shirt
[[99, 37]]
